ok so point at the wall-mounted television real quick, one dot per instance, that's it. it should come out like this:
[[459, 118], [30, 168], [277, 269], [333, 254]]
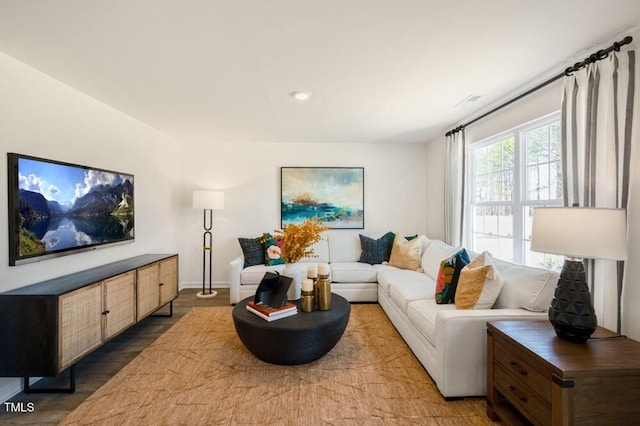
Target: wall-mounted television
[[58, 208]]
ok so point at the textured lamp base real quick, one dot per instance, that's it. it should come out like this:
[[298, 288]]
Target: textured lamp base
[[207, 295], [571, 312]]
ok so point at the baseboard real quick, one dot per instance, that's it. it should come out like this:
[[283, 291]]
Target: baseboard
[[198, 284], [11, 386]]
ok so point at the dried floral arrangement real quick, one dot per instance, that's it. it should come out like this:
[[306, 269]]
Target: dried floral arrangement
[[295, 241]]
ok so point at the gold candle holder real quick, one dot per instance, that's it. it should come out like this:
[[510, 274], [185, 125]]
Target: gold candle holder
[[315, 291], [324, 292], [306, 305]]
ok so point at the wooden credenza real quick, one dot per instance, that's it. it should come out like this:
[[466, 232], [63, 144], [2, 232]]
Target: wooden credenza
[[535, 377], [47, 327]]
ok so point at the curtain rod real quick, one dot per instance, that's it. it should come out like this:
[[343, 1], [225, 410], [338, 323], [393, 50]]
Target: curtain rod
[[600, 54]]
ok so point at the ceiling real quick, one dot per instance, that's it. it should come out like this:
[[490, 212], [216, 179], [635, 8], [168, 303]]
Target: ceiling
[[210, 71]]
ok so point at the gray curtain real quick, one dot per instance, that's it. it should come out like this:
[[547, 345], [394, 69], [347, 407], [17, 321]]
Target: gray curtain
[[597, 116], [454, 189]]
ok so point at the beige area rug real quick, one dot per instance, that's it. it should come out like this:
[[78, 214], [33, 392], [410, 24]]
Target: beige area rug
[[199, 373]]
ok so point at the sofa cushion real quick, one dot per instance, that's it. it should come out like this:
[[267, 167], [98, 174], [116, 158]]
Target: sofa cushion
[[353, 272], [448, 276], [525, 287], [253, 274], [389, 274], [344, 247], [402, 293], [479, 284], [320, 252], [252, 250], [422, 314], [376, 251], [435, 253], [405, 253]]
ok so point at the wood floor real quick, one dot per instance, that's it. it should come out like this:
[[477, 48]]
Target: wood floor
[[101, 365]]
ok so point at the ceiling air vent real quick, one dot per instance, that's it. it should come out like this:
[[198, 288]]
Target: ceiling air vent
[[469, 99]]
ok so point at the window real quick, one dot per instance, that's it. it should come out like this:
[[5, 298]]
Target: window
[[510, 174]]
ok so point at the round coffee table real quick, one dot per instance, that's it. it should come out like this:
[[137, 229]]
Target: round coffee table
[[297, 339]]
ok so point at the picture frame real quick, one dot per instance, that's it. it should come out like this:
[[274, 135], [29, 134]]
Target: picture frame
[[335, 195]]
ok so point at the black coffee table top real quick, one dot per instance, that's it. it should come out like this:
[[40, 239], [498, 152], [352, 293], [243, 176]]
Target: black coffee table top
[[297, 339]]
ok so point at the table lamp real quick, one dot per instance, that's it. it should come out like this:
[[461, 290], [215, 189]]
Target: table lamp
[[577, 233], [208, 201]]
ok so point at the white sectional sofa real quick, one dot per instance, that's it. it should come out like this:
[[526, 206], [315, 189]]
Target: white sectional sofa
[[450, 343]]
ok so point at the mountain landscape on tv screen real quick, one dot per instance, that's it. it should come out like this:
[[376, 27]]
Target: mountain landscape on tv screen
[[104, 214]]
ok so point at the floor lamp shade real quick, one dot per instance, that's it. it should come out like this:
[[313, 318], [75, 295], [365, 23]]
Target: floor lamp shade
[[207, 201], [577, 233]]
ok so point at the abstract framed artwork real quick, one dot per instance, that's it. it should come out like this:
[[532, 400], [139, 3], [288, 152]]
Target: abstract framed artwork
[[335, 195]]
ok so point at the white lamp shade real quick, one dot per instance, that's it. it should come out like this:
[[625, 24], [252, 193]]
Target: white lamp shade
[[209, 200], [592, 233]]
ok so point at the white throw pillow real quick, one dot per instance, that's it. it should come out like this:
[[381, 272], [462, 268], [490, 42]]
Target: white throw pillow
[[344, 247], [525, 287], [435, 253]]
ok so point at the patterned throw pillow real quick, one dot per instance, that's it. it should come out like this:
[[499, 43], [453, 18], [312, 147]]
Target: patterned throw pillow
[[448, 276], [479, 284], [376, 251], [406, 254], [253, 251], [272, 250]]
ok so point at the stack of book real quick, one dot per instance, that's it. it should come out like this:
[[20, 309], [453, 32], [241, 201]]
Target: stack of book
[[270, 313]]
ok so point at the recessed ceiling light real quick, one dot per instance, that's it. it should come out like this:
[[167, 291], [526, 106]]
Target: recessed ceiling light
[[300, 95]]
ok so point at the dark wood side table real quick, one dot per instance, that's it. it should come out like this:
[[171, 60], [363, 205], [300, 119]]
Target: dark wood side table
[[293, 340], [535, 377]]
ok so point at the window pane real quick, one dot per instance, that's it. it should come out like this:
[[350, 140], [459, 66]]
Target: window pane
[[538, 145], [494, 157], [507, 186], [505, 222], [480, 163], [538, 182], [508, 154], [532, 258], [555, 181], [554, 139]]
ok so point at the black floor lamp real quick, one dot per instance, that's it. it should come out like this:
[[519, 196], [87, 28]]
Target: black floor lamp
[[207, 201], [577, 233]]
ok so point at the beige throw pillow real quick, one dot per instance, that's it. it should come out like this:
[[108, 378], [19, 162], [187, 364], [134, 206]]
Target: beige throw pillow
[[406, 254], [479, 284]]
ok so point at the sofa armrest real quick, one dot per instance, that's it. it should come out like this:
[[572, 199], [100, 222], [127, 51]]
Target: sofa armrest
[[461, 346], [235, 267]]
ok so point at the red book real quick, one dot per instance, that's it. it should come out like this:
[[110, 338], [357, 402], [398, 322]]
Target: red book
[[273, 317], [269, 310]]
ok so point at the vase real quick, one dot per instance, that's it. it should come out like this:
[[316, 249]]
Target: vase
[[292, 270]]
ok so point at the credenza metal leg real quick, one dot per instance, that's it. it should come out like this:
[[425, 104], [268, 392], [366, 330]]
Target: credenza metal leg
[[71, 389]]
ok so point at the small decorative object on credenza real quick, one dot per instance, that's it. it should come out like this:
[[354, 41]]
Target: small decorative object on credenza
[[577, 233], [306, 304], [324, 288]]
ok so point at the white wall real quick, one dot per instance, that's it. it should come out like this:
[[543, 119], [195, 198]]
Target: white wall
[[40, 116], [396, 192]]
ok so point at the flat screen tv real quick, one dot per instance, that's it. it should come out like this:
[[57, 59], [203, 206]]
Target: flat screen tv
[[57, 208]]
